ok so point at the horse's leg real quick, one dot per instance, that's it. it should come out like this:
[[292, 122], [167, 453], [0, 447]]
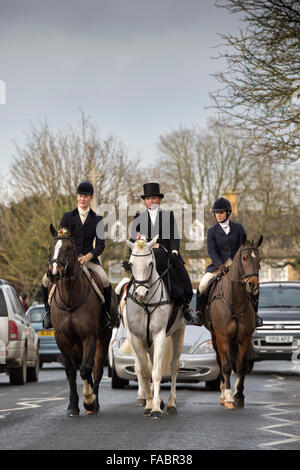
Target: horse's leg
[[222, 379], [100, 357], [89, 350], [141, 400], [70, 370], [159, 341], [142, 356], [177, 340], [242, 366], [223, 346]]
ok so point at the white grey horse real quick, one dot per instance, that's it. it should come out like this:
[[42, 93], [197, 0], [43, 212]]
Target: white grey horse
[[148, 313]]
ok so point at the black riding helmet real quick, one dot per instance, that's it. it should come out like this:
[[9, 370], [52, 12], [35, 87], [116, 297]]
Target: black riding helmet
[[85, 188], [222, 204]]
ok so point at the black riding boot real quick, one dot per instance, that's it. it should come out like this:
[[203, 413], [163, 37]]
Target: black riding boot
[[258, 320], [200, 304], [47, 319], [188, 314], [105, 311]]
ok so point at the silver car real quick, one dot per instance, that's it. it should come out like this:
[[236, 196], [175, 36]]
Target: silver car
[[197, 362]]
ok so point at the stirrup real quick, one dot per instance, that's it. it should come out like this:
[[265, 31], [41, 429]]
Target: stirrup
[[198, 319], [47, 320], [258, 321]]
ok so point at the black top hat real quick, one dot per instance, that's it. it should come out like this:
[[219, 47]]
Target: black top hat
[[151, 189]]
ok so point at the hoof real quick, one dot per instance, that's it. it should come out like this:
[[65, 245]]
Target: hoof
[[141, 402], [222, 401], [239, 403], [172, 410], [229, 405], [155, 414], [92, 412], [147, 411], [91, 407], [72, 413]]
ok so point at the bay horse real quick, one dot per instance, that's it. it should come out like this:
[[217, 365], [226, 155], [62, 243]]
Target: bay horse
[[230, 316], [75, 312], [150, 317]]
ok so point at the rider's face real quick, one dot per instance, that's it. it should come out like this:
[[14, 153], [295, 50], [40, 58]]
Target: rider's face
[[152, 202], [221, 216], [84, 201]]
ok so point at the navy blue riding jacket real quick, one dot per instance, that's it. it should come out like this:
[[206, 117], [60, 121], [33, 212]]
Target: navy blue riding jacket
[[84, 234], [220, 246]]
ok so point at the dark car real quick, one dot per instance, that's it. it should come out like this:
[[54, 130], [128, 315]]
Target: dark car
[[279, 306], [48, 350]]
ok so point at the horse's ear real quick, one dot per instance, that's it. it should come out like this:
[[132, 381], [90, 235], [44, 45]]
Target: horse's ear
[[244, 238], [152, 242], [130, 244], [53, 231], [257, 244]]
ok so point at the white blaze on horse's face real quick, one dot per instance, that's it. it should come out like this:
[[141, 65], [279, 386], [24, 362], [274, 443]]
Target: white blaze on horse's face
[[58, 246]]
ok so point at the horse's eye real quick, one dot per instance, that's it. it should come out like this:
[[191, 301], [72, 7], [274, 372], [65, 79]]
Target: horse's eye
[[244, 258]]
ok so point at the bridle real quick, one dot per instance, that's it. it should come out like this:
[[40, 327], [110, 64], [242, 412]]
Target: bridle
[[65, 264], [246, 276], [144, 283]]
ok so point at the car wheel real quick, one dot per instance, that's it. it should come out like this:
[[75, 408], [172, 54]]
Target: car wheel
[[18, 375], [33, 372], [116, 382]]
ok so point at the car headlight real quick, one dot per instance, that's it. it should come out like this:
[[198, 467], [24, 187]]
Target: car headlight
[[204, 348]]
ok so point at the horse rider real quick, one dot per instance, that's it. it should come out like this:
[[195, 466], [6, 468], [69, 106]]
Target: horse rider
[[155, 221], [83, 221], [223, 241]]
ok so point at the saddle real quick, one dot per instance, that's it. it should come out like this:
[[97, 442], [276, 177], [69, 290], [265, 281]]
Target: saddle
[[207, 297], [97, 280]]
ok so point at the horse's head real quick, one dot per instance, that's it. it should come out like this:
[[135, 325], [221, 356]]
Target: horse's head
[[142, 262], [62, 255], [249, 264]]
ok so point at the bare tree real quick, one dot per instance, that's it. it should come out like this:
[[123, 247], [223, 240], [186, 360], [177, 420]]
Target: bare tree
[[261, 84], [202, 164]]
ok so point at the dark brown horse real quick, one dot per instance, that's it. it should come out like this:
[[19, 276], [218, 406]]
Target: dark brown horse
[[75, 315], [230, 315]]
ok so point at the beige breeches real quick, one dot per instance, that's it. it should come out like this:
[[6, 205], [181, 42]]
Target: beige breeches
[[208, 276], [94, 267]]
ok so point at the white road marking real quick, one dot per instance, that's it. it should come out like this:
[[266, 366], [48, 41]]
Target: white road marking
[[277, 384], [27, 403]]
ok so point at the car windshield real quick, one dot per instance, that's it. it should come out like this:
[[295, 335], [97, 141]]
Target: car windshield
[[37, 314], [279, 296]]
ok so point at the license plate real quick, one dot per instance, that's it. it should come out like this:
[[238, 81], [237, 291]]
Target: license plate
[[46, 333], [279, 339]]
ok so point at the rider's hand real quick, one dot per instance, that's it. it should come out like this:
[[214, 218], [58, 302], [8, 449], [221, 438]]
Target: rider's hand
[[85, 258]]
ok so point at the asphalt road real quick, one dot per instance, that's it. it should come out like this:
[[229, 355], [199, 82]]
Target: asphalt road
[[33, 417]]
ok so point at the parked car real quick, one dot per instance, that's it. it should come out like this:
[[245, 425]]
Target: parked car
[[48, 351], [279, 306], [19, 343], [197, 362]]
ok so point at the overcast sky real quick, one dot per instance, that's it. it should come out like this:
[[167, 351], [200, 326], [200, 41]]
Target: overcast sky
[[138, 68]]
